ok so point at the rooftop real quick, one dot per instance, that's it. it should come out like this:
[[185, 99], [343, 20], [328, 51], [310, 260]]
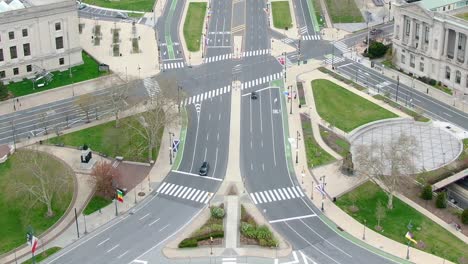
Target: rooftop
[[10, 5], [430, 4]]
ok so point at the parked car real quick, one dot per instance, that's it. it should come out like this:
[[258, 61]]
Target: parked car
[[205, 167], [253, 95], [121, 15], [81, 6]]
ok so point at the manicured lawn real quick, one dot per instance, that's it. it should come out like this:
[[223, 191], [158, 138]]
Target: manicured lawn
[[96, 203], [18, 212], [41, 256], [463, 16], [87, 70], [340, 145], [193, 25], [436, 239], [344, 11], [134, 5], [315, 154], [281, 14], [135, 15], [111, 141], [344, 109]]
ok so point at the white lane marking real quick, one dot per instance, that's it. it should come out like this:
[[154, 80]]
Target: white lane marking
[[143, 217], [161, 186], [267, 196], [191, 193], [263, 196], [253, 198], [163, 228], [272, 195], [186, 193], [195, 195], [258, 198], [277, 195], [292, 218], [170, 189], [175, 189], [154, 222], [114, 247], [104, 241], [286, 193], [123, 254], [182, 192], [300, 191], [295, 192], [196, 175]]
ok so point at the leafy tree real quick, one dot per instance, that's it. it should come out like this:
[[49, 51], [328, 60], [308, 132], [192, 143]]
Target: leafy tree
[[377, 49], [3, 91], [441, 200], [426, 193], [464, 217]]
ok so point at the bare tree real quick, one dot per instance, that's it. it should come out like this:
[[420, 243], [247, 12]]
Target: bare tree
[[44, 120], [380, 213], [150, 124], [104, 176], [85, 102], [353, 197], [39, 178], [390, 165], [118, 94]]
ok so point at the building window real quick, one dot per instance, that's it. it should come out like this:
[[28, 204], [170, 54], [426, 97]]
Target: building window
[[403, 59], [13, 53], [417, 31], [15, 71], [11, 35], [25, 32], [407, 27], [412, 61], [59, 42], [1, 55], [466, 81], [29, 68], [426, 35], [458, 77], [61, 61], [2, 74], [58, 26], [421, 66], [27, 49], [447, 72]]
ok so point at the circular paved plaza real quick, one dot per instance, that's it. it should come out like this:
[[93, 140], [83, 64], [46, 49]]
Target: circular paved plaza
[[435, 148]]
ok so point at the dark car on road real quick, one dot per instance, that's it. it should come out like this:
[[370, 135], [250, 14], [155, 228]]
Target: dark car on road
[[204, 168], [253, 95]]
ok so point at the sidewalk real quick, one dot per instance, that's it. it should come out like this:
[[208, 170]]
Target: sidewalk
[[59, 93], [336, 185]]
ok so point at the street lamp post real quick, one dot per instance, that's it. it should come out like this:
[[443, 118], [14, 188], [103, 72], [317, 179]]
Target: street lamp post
[[407, 250], [397, 87], [170, 147], [297, 146], [291, 100], [211, 245], [364, 230], [178, 97], [322, 179]]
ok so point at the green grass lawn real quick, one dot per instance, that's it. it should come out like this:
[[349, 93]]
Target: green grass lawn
[[318, 12], [436, 239], [87, 70], [315, 154], [135, 15], [111, 141], [17, 213], [193, 25], [96, 203], [344, 109], [281, 14], [133, 5], [344, 11], [341, 146], [41, 256]]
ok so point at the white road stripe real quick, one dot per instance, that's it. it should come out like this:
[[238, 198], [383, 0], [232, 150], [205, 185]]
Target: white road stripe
[[286, 193], [267, 196], [272, 196], [199, 196], [114, 247], [258, 198], [154, 222], [295, 192], [104, 241], [176, 187], [253, 198], [277, 195], [300, 191], [292, 194], [178, 190], [143, 217], [189, 193], [169, 188], [195, 195], [182, 192], [161, 186], [292, 218], [263, 197]]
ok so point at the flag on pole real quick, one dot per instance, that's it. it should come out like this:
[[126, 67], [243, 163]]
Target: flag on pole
[[410, 237], [32, 241], [320, 188], [119, 195]]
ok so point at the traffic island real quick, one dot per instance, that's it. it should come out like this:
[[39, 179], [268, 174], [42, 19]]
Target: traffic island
[[282, 19], [193, 31]]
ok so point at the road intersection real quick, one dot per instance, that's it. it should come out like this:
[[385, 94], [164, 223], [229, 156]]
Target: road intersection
[[139, 236]]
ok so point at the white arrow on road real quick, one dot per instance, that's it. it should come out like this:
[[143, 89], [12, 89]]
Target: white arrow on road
[[140, 261]]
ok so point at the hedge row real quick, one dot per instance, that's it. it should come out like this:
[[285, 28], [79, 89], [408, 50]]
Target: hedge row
[[193, 241]]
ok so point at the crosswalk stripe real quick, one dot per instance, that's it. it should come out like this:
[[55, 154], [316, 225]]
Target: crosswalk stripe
[[272, 195], [171, 186], [209, 94], [196, 98], [178, 190], [195, 195], [229, 88], [253, 198], [161, 186], [267, 196], [299, 190], [187, 192], [165, 188], [289, 190], [225, 89], [191, 193], [182, 192], [286, 193], [277, 195], [295, 192], [173, 190], [189, 100], [202, 197], [199, 196], [258, 198], [208, 197], [282, 195], [263, 196]]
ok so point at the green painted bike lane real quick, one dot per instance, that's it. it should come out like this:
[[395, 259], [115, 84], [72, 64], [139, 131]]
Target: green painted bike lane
[[167, 30], [313, 17], [279, 83]]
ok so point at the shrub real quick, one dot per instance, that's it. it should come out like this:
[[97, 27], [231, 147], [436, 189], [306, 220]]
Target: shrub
[[432, 82], [248, 230], [377, 49], [464, 217], [426, 193], [216, 227], [217, 234], [441, 200], [188, 243], [3, 91], [268, 242], [263, 233], [217, 212]]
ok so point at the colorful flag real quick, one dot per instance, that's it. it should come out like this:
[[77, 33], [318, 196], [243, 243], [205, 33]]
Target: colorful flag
[[119, 196], [32, 241], [410, 237]]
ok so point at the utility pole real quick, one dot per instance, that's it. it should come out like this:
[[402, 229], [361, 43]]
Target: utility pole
[[170, 147], [291, 102], [284, 53], [76, 221], [297, 149], [178, 97], [364, 230], [397, 87], [299, 53], [322, 179]]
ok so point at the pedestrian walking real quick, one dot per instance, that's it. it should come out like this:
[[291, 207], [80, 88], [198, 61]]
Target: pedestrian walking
[[14, 107]]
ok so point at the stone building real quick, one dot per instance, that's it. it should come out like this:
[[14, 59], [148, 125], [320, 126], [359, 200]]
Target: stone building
[[37, 36], [431, 44]]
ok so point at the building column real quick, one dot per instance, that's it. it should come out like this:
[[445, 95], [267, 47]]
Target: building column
[[455, 51], [411, 33], [444, 48], [421, 36]]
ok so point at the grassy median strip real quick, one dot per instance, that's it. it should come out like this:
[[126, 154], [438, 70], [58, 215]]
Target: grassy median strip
[[43, 255], [133, 5], [281, 14], [344, 109], [96, 203], [193, 25], [315, 154], [86, 71], [344, 11], [431, 237]]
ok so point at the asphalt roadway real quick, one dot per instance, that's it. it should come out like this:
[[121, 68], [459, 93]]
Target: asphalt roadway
[[138, 236]]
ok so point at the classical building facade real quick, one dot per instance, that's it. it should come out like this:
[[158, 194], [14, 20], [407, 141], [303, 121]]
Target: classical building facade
[[37, 36], [431, 44]]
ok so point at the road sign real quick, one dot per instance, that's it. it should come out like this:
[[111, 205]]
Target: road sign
[[320, 188], [175, 144], [281, 60]]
